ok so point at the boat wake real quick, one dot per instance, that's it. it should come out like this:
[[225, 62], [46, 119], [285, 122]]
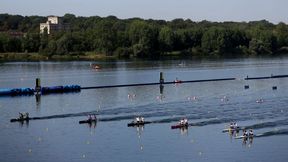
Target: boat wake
[[273, 133], [270, 124]]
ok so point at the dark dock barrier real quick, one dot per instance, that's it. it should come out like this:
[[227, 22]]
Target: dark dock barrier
[[17, 92], [60, 89], [43, 90], [266, 77], [145, 84], [76, 88]]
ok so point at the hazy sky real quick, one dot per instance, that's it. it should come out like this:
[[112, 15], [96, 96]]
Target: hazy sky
[[196, 10]]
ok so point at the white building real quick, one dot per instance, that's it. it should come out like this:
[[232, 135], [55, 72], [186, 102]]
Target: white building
[[53, 24]]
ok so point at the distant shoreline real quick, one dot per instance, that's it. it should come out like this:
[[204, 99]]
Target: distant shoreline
[[89, 56], [40, 57]]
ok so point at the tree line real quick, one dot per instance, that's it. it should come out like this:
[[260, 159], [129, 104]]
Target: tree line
[[137, 37]]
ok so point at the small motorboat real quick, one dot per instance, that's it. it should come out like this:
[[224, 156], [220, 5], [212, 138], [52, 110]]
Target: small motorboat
[[95, 66]]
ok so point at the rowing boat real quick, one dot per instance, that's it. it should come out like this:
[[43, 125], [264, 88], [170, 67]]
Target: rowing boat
[[20, 119], [232, 129], [89, 121], [244, 137], [180, 126], [133, 123]]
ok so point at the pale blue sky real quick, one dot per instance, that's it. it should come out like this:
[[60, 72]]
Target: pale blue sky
[[196, 10]]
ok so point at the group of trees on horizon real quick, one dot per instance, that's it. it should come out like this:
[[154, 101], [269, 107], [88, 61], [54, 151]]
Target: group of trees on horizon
[[137, 37]]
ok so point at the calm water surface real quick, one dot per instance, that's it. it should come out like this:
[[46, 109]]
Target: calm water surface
[[59, 137]]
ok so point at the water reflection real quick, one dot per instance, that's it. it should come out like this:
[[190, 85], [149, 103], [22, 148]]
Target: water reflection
[[24, 123], [139, 131], [247, 141], [233, 133], [92, 124], [38, 101], [184, 131], [161, 96]]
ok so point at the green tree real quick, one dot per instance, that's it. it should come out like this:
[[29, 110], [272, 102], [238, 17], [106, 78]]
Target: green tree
[[213, 40], [31, 42], [3, 42], [281, 32], [166, 39], [43, 40], [143, 37], [262, 42], [14, 45], [52, 48]]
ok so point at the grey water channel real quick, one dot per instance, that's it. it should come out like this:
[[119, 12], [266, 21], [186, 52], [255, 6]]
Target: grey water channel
[[209, 106]]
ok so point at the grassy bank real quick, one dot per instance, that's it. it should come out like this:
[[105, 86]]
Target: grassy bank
[[40, 57], [92, 56]]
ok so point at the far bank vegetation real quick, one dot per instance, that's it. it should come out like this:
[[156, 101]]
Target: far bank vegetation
[[94, 37]]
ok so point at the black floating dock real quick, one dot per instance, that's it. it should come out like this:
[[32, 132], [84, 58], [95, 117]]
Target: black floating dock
[[145, 84], [267, 77]]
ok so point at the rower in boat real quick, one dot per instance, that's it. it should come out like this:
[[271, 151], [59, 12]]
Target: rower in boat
[[250, 134], [245, 133], [233, 125], [21, 115], [26, 115], [177, 80], [260, 101], [92, 117], [137, 119], [89, 117], [142, 119], [183, 121]]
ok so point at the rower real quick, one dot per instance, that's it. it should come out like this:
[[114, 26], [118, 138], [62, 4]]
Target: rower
[[232, 125], [26, 115], [89, 117], [94, 117], [245, 133], [235, 125], [21, 115], [185, 121], [251, 134], [181, 122], [137, 119], [142, 119]]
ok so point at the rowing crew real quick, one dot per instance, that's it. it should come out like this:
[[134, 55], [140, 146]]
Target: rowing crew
[[248, 134], [233, 125], [183, 121], [23, 115], [92, 117], [139, 119]]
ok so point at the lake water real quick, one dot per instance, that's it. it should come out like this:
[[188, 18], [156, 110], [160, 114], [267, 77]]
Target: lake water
[[59, 136]]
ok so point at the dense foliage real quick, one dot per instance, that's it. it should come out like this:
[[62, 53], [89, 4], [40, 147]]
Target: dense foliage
[[144, 38]]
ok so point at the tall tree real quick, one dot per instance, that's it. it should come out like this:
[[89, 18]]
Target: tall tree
[[166, 39]]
